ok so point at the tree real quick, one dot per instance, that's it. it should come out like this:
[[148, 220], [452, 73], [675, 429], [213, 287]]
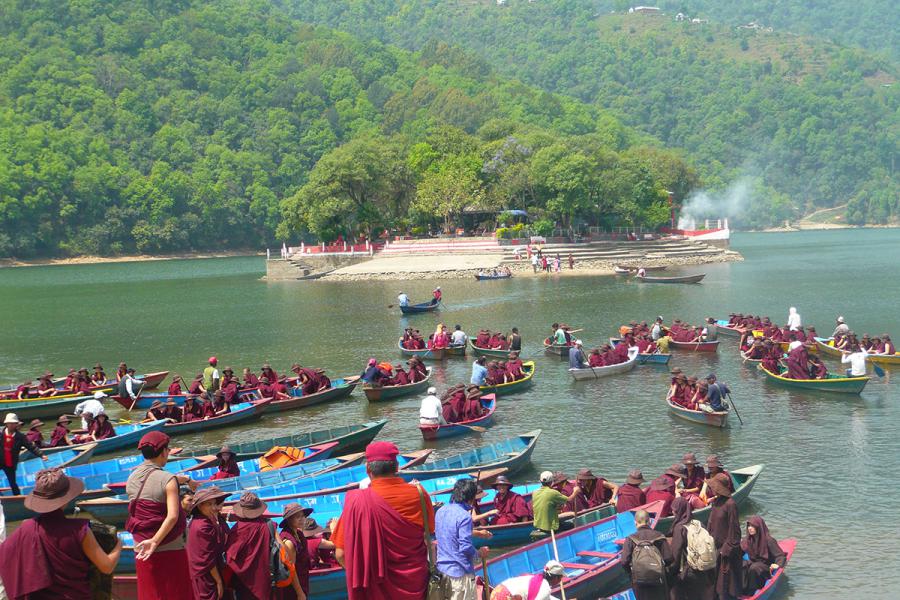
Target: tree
[[447, 189]]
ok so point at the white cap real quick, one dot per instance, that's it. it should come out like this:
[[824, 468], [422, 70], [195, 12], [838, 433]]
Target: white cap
[[554, 567], [840, 319], [432, 390], [577, 342], [11, 418], [98, 395], [795, 344], [546, 477]]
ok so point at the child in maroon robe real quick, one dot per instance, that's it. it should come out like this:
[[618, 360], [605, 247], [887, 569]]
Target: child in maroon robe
[[34, 433], [194, 387], [101, 428], [250, 379], [293, 529], [207, 536], [662, 489], [228, 466], [60, 435], [99, 377], [191, 411], [401, 377], [509, 507], [175, 386]]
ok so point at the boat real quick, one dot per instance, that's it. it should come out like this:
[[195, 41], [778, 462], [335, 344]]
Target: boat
[[240, 413], [826, 345], [621, 271], [598, 372], [724, 328], [322, 487], [710, 346], [424, 353], [28, 467], [422, 307], [633, 269], [713, 419], [764, 593], [512, 454], [348, 438], [145, 401], [832, 383], [487, 277], [591, 555], [438, 432], [47, 409], [110, 387], [656, 358], [513, 386], [496, 353], [683, 279], [387, 392], [340, 388], [561, 351], [127, 436]]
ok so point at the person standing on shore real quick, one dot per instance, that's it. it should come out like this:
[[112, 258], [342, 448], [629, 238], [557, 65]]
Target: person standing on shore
[[571, 262], [534, 262]]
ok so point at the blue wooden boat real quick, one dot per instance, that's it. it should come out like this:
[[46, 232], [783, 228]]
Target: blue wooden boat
[[145, 401], [127, 436], [43, 409], [348, 438], [490, 277], [340, 388], [423, 354], [656, 358], [240, 413], [266, 479], [764, 593], [439, 432], [512, 454], [28, 468], [724, 328], [115, 510], [590, 554], [422, 307]]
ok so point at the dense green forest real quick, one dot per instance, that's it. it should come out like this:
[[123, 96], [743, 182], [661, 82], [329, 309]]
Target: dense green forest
[[816, 121], [168, 125]]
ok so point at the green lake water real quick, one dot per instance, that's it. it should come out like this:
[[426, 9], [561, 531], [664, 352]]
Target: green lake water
[[832, 461]]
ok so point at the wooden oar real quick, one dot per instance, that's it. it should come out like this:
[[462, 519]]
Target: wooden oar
[[734, 406], [562, 589], [878, 370], [585, 360], [475, 428], [486, 581]]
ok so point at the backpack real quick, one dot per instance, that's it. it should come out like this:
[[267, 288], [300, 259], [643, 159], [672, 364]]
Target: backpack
[[701, 548], [280, 569], [647, 566]]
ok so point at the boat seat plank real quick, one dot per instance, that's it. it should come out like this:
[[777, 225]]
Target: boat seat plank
[[596, 554], [620, 542], [576, 566]]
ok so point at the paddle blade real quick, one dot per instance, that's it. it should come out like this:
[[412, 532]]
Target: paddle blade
[[878, 370], [477, 429]]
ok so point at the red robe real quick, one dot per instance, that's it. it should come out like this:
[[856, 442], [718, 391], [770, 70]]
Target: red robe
[[205, 547], [301, 565], [248, 558], [512, 508], [174, 388], [630, 496]]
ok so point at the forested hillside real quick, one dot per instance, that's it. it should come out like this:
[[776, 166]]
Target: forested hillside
[[817, 121], [167, 125]]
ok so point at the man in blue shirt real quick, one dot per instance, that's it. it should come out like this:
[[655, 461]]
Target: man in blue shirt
[[403, 299], [454, 533], [576, 356], [479, 371], [715, 393]]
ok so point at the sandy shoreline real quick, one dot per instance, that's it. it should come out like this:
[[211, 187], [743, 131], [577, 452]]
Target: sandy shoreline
[[90, 260]]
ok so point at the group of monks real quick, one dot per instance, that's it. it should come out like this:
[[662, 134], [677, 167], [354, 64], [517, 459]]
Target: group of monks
[[81, 382], [413, 340], [462, 403], [99, 428], [688, 392], [500, 372], [770, 331], [498, 341], [685, 332], [872, 345], [385, 375], [609, 355], [268, 383], [798, 362]]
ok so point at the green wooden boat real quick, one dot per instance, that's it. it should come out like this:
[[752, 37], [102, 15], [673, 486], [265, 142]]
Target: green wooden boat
[[379, 393], [350, 438], [833, 383], [488, 351], [514, 386]]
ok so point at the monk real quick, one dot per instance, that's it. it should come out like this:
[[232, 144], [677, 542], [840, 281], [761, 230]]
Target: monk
[[764, 555], [268, 372], [206, 545], [220, 406], [473, 407], [46, 387], [99, 377], [293, 525], [101, 428], [321, 550], [196, 386], [693, 480], [662, 489], [228, 466], [157, 522], [725, 529], [191, 411], [817, 369], [400, 377], [771, 357], [34, 433], [630, 493], [247, 554], [514, 367], [677, 389], [60, 435], [70, 380], [156, 412], [509, 507], [121, 371], [417, 370], [229, 385], [593, 491], [250, 379], [175, 386], [797, 361], [379, 538], [714, 466]]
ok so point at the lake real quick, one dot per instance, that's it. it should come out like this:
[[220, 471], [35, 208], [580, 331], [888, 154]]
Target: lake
[[829, 458]]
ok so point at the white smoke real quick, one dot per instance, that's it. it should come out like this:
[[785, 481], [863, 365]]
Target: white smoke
[[710, 205]]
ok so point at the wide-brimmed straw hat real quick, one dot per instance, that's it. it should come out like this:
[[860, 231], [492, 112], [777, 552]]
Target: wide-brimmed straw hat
[[211, 493], [52, 490], [312, 529], [501, 480], [713, 461], [35, 423], [585, 474], [223, 451], [635, 477], [293, 509], [689, 458], [676, 470], [719, 485], [63, 419], [11, 418], [249, 506]]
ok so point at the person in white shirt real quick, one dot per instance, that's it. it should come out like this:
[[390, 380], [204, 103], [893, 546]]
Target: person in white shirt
[[94, 406], [793, 321], [856, 358], [534, 262], [642, 272], [551, 577], [403, 299], [841, 329], [431, 411], [459, 337], [656, 330]]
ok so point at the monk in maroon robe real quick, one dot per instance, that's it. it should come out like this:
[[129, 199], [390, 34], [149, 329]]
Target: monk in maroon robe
[[293, 529], [228, 466], [207, 537], [458, 405], [473, 407], [725, 529], [401, 377], [60, 435], [101, 428], [662, 489], [630, 493], [194, 387], [99, 377], [250, 379], [713, 467], [175, 386], [247, 553], [694, 477], [514, 367], [34, 433], [191, 411], [229, 386], [45, 386], [483, 340], [593, 491], [509, 507], [798, 363], [267, 371], [379, 538]]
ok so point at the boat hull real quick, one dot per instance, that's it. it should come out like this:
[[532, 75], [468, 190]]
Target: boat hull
[[513, 386], [489, 351], [512, 455], [712, 346], [713, 419], [423, 354], [243, 415], [422, 307], [826, 347], [834, 384], [377, 394], [599, 372], [686, 279], [340, 388], [128, 439], [654, 359], [724, 329], [561, 351]]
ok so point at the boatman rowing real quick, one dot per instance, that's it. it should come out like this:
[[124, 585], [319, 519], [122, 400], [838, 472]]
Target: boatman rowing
[[403, 299], [576, 356]]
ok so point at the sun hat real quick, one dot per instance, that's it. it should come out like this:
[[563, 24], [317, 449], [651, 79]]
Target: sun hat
[[223, 451], [211, 493], [713, 461], [98, 395], [635, 477], [11, 418], [312, 529], [501, 480], [689, 458], [676, 470], [719, 485], [294, 509], [584, 474], [63, 419], [35, 423], [249, 506], [555, 568], [52, 490]]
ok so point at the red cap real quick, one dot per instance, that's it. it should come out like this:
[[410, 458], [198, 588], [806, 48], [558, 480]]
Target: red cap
[[213, 360], [381, 451], [155, 439]]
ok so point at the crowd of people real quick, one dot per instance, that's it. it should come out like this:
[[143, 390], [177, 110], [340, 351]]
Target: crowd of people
[[498, 272], [497, 372], [383, 374], [706, 395], [457, 404], [79, 382], [441, 338], [497, 340]]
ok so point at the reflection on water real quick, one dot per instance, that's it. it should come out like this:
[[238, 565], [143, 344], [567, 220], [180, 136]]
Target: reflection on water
[[830, 459]]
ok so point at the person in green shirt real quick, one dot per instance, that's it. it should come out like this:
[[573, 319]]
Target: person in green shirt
[[211, 376], [546, 502]]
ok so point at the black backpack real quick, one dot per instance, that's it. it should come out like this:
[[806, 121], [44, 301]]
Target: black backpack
[[647, 567]]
